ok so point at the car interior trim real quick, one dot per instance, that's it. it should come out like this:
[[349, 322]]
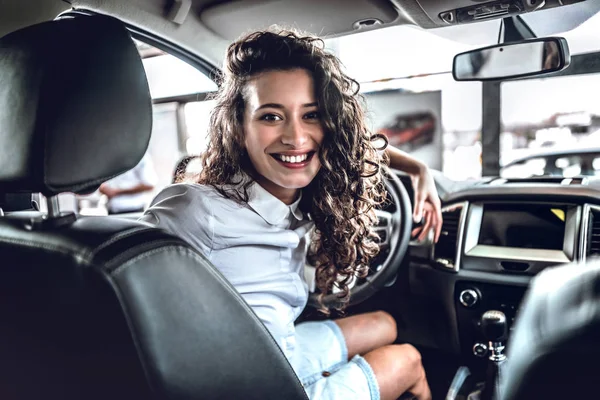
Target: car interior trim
[[583, 242], [464, 206], [217, 16], [528, 192], [516, 254]]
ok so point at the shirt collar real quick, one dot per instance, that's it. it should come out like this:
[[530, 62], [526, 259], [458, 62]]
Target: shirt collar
[[270, 208]]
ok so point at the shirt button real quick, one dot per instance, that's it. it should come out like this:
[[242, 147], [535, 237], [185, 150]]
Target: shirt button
[[326, 374]]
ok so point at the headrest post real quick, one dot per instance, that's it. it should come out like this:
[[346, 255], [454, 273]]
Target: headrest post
[[53, 207]]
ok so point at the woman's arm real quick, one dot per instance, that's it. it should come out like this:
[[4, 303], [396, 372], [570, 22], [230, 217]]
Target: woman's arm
[[427, 205]]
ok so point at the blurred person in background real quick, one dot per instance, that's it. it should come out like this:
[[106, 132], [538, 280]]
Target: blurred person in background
[[131, 191]]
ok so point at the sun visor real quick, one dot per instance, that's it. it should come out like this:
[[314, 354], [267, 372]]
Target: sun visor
[[231, 19]]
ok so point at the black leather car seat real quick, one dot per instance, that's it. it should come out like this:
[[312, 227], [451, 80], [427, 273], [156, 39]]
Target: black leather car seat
[[101, 307], [11, 202], [554, 349]]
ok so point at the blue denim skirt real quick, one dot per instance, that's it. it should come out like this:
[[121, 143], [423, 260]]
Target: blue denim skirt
[[321, 362]]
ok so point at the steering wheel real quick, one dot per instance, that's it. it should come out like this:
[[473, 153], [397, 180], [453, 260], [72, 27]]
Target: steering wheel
[[394, 229]]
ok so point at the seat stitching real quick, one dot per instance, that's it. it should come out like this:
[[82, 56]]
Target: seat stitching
[[120, 235]]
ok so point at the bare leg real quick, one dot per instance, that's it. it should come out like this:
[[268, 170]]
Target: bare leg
[[366, 332], [398, 370]]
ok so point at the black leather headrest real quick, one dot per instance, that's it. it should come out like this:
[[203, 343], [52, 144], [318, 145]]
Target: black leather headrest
[[75, 107]]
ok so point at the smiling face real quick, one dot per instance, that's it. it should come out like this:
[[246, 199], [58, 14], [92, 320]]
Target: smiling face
[[283, 131]]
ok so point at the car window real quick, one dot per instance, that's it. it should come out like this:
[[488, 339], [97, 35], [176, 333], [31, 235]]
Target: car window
[[404, 73], [415, 62], [168, 76], [180, 119], [565, 166], [541, 116], [177, 132]]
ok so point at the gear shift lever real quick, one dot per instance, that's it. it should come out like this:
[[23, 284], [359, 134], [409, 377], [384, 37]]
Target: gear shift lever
[[493, 324]]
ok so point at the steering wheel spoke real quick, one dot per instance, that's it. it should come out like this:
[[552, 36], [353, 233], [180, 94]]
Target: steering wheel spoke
[[384, 228]]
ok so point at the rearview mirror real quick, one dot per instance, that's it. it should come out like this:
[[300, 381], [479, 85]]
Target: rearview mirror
[[512, 60]]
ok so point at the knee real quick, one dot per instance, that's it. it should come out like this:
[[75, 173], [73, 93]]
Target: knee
[[412, 355], [413, 360], [400, 361], [387, 324], [409, 360]]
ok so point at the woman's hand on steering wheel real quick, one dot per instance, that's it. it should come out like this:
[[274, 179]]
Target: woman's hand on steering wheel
[[427, 205], [427, 223]]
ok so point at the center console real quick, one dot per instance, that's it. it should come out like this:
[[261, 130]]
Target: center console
[[467, 386], [499, 241], [472, 300], [507, 238]]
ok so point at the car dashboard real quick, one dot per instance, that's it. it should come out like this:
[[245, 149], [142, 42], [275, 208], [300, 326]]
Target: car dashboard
[[496, 236]]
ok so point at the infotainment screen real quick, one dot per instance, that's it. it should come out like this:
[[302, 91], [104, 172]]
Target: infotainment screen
[[528, 226]]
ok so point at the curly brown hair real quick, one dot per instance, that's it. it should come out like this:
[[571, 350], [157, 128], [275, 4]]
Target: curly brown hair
[[342, 197]]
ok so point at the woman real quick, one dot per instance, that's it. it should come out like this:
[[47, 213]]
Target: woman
[[290, 158]]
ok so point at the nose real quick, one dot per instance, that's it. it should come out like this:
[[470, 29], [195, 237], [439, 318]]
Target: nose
[[295, 133]]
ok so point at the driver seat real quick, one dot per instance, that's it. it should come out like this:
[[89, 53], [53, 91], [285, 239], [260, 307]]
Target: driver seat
[[554, 349], [101, 307]]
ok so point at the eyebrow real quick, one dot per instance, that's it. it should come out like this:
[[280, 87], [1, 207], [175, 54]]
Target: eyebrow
[[280, 106]]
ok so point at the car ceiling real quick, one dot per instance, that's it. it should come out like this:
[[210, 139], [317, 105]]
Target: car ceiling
[[210, 25]]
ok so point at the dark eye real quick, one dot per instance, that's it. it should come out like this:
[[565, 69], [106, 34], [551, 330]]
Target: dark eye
[[312, 115], [270, 118]]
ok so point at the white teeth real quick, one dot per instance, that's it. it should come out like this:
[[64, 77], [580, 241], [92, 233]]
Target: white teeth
[[293, 159]]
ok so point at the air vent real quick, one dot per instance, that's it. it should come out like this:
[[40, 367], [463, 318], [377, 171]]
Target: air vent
[[446, 249], [593, 242]]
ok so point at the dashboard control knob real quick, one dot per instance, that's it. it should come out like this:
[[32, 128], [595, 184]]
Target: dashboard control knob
[[469, 298], [480, 350]]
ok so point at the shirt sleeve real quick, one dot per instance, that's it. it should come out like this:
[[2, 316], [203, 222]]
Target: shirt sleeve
[[184, 211]]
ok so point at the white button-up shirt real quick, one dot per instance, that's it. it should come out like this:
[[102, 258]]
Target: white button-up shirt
[[260, 247]]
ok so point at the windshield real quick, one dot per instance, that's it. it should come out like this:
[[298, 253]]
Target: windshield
[[405, 76], [411, 97]]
